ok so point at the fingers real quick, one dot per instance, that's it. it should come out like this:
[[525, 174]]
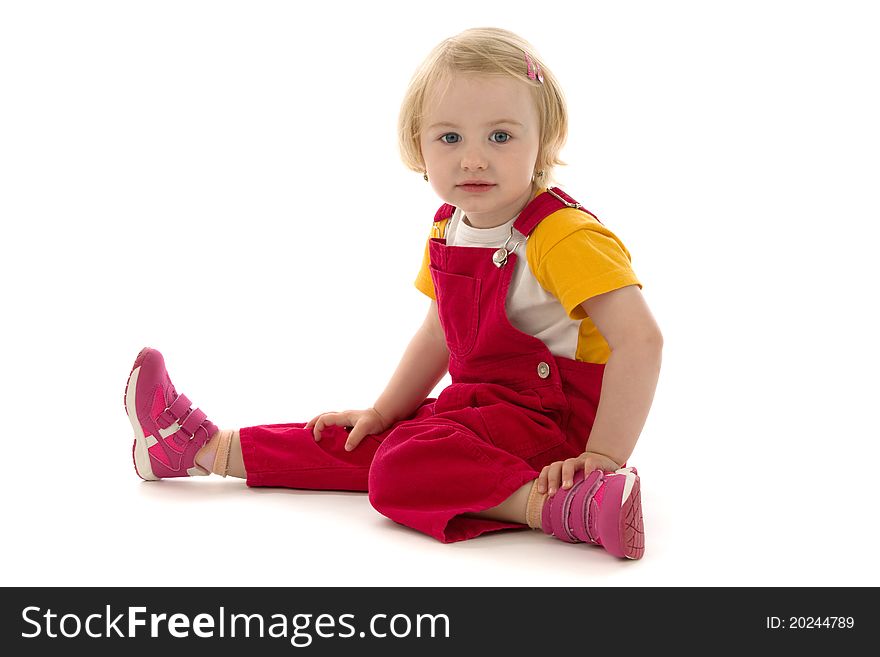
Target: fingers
[[589, 465], [542, 479], [327, 420], [553, 477], [366, 425], [354, 437], [558, 474], [548, 480], [362, 423], [568, 468]]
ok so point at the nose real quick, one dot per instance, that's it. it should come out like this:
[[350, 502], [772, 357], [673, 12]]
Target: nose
[[473, 158]]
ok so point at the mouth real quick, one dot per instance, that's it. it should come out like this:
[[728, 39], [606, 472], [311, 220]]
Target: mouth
[[476, 186]]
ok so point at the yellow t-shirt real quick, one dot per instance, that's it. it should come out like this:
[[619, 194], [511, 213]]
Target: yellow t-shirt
[[571, 256]]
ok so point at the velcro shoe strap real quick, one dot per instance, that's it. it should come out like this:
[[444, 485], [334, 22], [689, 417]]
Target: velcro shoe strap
[[581, 503], [559, 509], [180, 406], [174, 412], [193, 421]]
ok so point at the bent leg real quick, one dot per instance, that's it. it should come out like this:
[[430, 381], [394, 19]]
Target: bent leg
[[437, 474], [514, 509]]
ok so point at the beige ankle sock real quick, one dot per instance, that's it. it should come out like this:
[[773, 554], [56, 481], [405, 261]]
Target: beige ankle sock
[[221, 457], [534, 506]]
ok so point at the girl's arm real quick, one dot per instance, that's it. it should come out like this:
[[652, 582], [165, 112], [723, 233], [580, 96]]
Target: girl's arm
[[631, 373], [424, 363], [628, 385]]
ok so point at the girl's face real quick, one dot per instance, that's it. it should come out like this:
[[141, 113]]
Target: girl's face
[[485, 129]]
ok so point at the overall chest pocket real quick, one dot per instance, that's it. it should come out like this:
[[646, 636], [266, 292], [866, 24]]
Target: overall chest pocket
[[458, 302]]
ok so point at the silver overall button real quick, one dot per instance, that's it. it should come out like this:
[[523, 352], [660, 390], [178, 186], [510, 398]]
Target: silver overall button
[[543, 370]]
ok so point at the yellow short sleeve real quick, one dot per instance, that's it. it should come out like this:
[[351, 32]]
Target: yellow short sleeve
[[424, 283], [575, 257]]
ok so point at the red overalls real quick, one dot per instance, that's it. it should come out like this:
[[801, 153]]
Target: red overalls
[[512, 408]]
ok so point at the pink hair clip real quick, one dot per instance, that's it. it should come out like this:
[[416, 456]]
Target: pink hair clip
[[533, 70]]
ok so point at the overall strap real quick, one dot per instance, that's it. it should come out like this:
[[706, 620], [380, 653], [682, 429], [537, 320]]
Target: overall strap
[[445, 212], [541, 207], [535, 211]]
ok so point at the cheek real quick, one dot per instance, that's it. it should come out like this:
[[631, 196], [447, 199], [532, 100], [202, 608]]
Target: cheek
[[430, 150]]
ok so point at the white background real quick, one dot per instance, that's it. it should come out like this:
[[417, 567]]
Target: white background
[[220, 180]]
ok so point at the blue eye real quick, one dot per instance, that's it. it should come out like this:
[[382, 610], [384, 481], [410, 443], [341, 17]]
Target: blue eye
[[506, 139]]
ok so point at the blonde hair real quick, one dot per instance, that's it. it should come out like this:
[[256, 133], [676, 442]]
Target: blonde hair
[[488, 51]]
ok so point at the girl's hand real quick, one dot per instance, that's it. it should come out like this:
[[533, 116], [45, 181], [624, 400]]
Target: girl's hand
[[362, 423], [563, 471]]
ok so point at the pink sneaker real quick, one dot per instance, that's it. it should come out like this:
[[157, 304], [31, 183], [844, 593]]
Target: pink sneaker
[[167, 431], [602, 508]]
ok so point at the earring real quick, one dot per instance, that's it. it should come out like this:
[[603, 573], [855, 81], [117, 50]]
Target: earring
[[539, 174], [426, 176]]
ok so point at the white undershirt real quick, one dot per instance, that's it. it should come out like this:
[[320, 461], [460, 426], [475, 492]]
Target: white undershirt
[[530, 308]]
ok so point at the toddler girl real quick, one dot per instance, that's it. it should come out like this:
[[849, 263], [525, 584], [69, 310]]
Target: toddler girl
[[535, 313]]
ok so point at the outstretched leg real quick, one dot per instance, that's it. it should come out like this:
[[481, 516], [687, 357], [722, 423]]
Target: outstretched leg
[[173, 439], [168, 431]]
